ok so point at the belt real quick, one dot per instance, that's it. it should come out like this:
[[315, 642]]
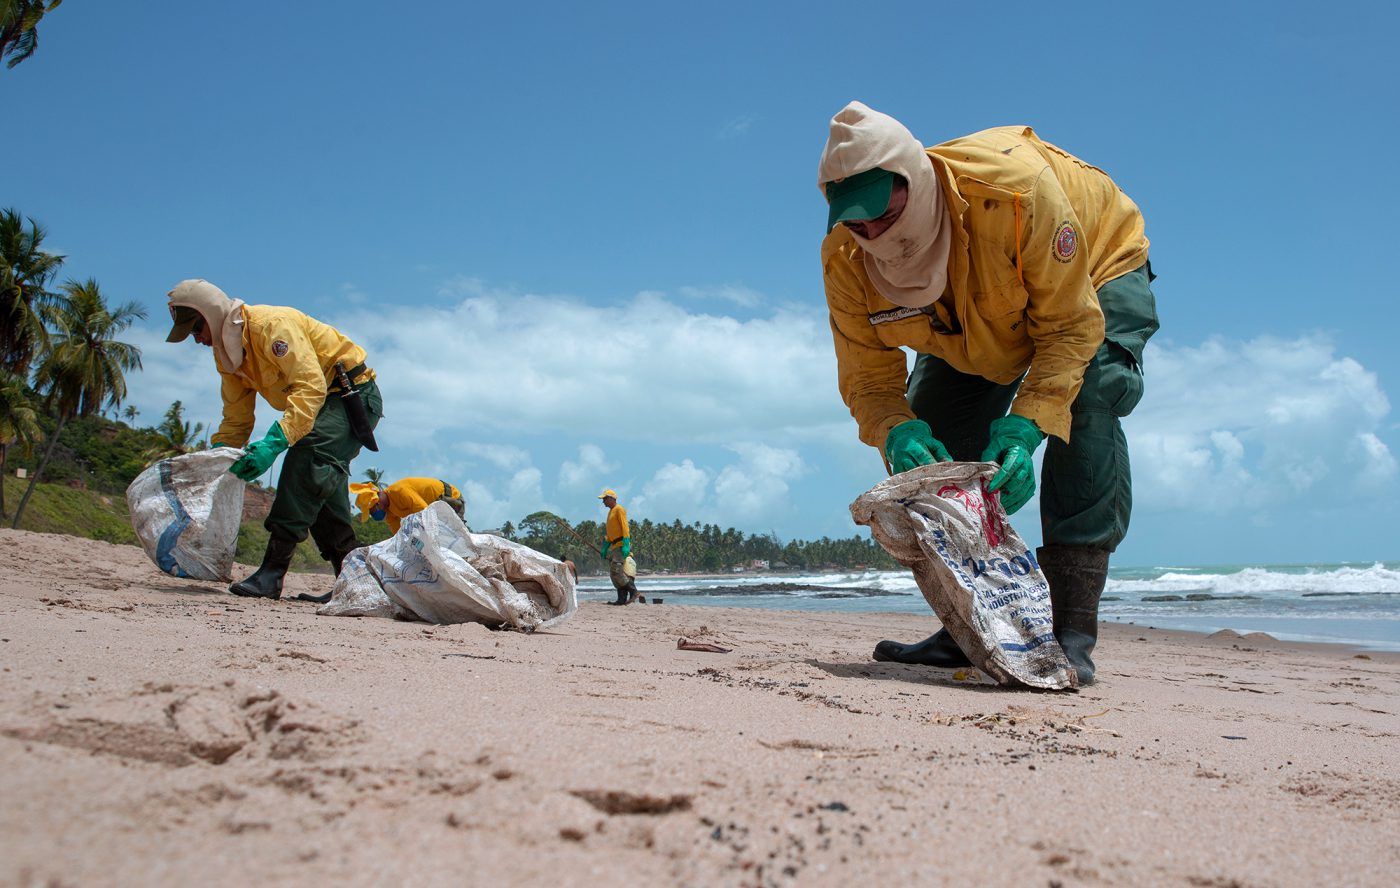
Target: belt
[[355, 372]]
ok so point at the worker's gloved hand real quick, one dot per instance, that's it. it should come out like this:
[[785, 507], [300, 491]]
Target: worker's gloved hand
[[258, 458], [603, 552], [213, 444], [911, 444], [1013, 443], [626, 546]]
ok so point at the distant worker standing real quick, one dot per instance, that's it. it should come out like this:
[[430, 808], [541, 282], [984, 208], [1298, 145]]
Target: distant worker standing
[[1018, 274], [330, 405], [408, 496], [617, 547]]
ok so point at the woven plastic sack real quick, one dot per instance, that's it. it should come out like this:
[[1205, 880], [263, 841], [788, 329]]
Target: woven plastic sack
[[981, 579], [436, 570], [186, 511]]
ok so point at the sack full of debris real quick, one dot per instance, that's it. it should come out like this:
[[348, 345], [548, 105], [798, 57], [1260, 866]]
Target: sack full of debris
[[436, 570], [982, 581], [186, 511]]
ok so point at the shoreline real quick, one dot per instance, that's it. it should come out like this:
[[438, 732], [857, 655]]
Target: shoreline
[[160, 731]]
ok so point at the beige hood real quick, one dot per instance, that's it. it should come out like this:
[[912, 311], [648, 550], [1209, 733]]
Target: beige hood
[[224, 317], [908, 263]]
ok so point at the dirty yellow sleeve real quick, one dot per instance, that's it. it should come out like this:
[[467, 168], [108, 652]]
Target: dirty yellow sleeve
[[239, 406], [1063, 317], [870, 374]]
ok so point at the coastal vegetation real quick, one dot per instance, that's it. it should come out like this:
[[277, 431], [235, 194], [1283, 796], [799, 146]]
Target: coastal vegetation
[[696, 547]]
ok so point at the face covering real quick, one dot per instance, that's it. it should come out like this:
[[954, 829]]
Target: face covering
[[908, 262], [224, 317]]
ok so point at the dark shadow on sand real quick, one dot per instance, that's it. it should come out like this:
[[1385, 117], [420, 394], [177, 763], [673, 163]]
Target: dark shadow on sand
[[930, 676]]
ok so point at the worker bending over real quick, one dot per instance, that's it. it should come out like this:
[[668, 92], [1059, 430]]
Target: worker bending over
[[1018, 274], [393, 503], [291, 360]]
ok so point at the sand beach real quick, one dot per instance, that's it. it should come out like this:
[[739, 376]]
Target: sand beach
[[158, 731]]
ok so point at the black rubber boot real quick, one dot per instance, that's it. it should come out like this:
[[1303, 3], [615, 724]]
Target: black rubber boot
[[939, 649], [266, 581], [337, 560], [1077, 575]]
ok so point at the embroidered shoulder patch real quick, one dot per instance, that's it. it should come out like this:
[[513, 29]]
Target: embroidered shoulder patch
[[279, 348], [1066, 242]]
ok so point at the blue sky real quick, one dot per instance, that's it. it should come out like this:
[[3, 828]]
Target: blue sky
[[581, 242]]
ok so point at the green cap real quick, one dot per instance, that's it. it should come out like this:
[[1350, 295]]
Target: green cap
[[859, 197], [185, 319]]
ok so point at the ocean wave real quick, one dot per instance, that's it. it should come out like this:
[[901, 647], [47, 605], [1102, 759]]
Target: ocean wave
[[1264, 582]]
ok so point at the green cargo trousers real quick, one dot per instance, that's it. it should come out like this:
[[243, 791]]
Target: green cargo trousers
[[313, 491], [1086, 493]]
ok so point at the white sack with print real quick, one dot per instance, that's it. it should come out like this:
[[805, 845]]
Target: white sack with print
[[982, 581], [186, 511], [436, 570]]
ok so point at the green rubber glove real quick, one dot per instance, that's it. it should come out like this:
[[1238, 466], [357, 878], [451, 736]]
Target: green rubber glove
[[603, 552], [213, 444], [258, 458], [626, 546], [911, 444], [1013, 444]]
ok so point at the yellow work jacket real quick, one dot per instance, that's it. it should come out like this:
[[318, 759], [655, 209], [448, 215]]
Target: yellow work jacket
[[409, 496], [617, 526], [289, 359], [1036, 232]]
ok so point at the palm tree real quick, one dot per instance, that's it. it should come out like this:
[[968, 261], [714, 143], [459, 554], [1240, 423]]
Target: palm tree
[[85, 367], [177, 435], [131, 413], [19, 424], [374, 476], [19, 27], [25, 302]]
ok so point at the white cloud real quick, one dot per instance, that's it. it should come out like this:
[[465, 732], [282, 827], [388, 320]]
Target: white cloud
[[1231, 426], [676, 489], [1376, 456], [757, 486], [489, 505], [745, 493], [588, 471], [506, 457], [514, 364], [736, 126], [738, 294]]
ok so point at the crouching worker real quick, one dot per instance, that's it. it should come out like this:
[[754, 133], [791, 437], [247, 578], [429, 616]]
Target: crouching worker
[[1018, 275], [313, 374], [617, 547], [407, 496]]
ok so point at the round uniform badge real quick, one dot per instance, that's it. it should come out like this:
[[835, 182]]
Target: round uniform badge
[[1066, 242], [279, 348]]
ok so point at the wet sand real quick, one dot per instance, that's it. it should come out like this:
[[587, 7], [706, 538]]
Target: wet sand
[[159, 731]]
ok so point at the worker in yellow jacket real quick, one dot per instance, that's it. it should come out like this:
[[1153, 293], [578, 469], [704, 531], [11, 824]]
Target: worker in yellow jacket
[[392, 503], [617, 547], [290, 359], [1018, 274]]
